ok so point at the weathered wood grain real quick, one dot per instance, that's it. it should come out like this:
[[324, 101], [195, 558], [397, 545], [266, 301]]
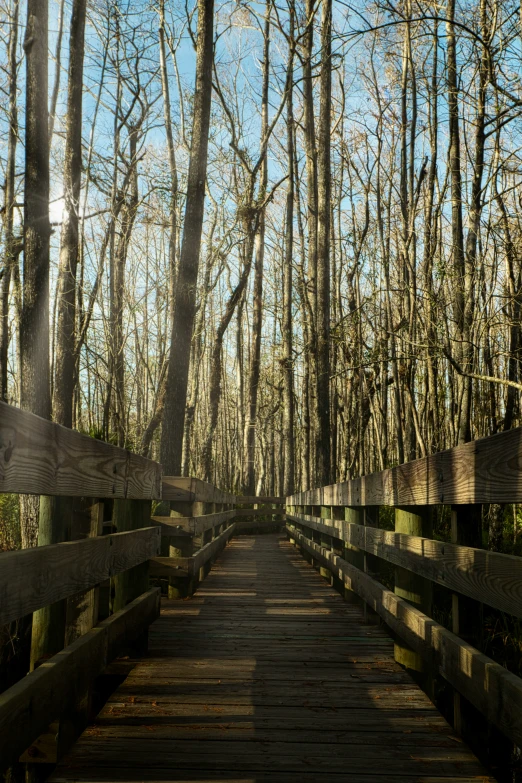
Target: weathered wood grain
[[255, 499], [489, 577], [197, 524], [180, 488], [240, 686], [42, 458], [27, 708], [172, 532], [259, 512], [164, 567], [488, 470], [494, 691], [210, 550], [33, 578]]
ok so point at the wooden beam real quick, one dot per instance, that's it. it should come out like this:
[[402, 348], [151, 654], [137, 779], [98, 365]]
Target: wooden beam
[[259, 512], [488, 470], [27, 708], [172, 531], [195, 525], [253, 499], [165, 567], [177, 488], [129, 516], [210, 550], [33, 578], [489, 577], [492, 689], [411, 523], [40, 457]]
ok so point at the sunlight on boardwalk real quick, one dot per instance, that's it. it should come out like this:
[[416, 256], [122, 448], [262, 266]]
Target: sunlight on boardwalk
[[266, 674]]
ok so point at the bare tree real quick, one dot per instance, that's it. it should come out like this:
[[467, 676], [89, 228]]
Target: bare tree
[[65, 359], [185, 300]]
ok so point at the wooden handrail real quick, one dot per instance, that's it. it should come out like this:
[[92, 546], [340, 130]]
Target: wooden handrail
[[27, 708], [333, 525], [192, 490], [494, 691], [490, 577], [190, 566], [194, 525], [40, 457], [248, 500], [33, 578], [488, 470]]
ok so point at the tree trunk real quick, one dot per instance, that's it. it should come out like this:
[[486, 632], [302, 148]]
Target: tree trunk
[[185, 299], [65, 362], [12, 248], [257, 320], [34, 326], [128, 216], [323, 254], [197, 351], [214, 397], [311, 196], [173, 236], [288, 363], [57, 71], [459, 261]]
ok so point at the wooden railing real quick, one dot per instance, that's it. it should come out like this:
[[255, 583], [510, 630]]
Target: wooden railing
[[260, 514], [89, 589], [199, 526], [337, 528]]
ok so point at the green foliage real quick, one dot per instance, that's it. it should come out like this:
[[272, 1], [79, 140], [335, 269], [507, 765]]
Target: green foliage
[[387, 517], [9, 523], [512, 530]]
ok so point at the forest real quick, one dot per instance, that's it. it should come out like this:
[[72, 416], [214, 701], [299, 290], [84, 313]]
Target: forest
[[271, 245]]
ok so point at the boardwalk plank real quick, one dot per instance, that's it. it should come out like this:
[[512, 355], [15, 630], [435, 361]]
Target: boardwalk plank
[[267, 675]]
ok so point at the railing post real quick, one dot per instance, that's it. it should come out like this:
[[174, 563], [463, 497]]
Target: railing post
[[58, 625], [82, 610], [467, 614], [48, 630], [130, 515], [370, 519], [82, 615], [206, 537], [338, 545], [292, 510], [309, 511], [180, 587], [326, 542], [413, 521], [353, 555]]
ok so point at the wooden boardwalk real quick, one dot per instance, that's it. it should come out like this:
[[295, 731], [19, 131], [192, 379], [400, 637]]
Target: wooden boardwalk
[[266, 674]]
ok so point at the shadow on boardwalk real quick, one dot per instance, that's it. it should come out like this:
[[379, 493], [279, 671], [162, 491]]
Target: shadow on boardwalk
[[266, 674]]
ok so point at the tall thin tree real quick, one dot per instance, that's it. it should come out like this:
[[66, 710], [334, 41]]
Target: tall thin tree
[[185, 300], [65, 361], [323, 252]]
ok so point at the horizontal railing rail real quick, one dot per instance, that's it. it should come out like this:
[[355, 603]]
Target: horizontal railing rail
[[193, 526], [494, 691], [39, 457], [488, 470], [88, 588], [490, 577], [31, 579], [337, 529], [54, 688]]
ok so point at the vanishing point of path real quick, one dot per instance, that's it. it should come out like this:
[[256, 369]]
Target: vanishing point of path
[[266, 674]]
